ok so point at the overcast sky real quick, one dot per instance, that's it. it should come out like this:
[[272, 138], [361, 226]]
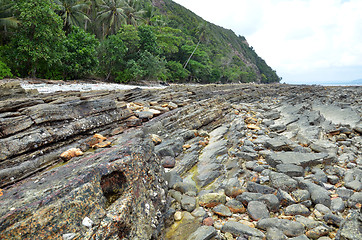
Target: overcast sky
[[305, 41]]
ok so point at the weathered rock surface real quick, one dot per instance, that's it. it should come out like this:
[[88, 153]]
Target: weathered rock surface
[[240, 161]]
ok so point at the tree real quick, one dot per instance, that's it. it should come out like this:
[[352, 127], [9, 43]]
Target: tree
[[133, 12], [111, 55], [111, 16], [73, 12], [36, 47], [7, 18], [80, 56], [202, 35]]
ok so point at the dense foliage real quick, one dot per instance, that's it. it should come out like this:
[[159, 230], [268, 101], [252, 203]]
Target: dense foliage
[[122, 41]]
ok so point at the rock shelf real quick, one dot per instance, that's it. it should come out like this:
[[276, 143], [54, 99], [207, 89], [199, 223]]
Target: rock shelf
[[184, 162]]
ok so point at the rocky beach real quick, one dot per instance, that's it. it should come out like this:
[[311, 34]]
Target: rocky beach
[[201, 162]]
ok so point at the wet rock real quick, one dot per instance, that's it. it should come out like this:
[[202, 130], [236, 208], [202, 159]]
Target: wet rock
[[239, 229], [257, 210], [203, 233]]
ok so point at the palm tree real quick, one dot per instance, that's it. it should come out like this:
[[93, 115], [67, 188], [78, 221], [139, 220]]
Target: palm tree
[[133, 12], [111, 16], [73, 12], [202, 36]]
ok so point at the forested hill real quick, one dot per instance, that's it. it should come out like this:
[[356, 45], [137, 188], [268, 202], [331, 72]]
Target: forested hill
[[122, 41], [236, 59]]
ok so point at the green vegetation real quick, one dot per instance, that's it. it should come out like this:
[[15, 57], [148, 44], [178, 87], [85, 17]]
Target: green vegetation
[[122, 41]]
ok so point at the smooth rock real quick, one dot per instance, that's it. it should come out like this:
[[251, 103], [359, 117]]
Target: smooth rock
[[289, 228], [212, 199], [282, 181], [235, 206], [203, 233], [257, 210], [296, 209], [188, 203], [222, 210], [239, 229], [275, 234]]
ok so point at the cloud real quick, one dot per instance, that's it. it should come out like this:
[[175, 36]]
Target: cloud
[[294, 36]]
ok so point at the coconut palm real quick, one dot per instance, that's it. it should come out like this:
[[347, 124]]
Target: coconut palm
[[202, 36], [73, 12], [111, 16], [133, 12]]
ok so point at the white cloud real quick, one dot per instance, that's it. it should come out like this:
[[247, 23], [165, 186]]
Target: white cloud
[[295, 37]]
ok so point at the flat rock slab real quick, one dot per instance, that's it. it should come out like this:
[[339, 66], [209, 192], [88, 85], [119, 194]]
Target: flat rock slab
[[297, 158]]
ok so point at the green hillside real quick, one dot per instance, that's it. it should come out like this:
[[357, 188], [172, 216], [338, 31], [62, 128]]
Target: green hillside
[[122, 41]]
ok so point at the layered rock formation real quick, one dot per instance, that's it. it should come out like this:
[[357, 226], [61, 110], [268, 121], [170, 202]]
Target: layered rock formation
[[242, 160]]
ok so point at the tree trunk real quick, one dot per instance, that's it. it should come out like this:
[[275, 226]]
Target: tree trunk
[[187, 62]]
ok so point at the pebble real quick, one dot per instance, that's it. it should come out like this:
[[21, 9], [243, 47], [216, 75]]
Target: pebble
[[222, 210], [296, 209]]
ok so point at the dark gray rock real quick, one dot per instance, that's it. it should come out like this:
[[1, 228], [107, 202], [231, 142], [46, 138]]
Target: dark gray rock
[[257, 210], [275, 234], [284, 198], [188, 203], [184, 187], [239, 229], [291, 170], [351, 228], [301, 195], [301, 237], [354, 199], [333, 219], [289, 228], [271, 201], [318, 193], [222, 210], [337, 205], [344, 193], [172, 177], [300, 159], [280, 143], [203, 233], [307, 222], [282, 181], [258, 188], [187, 162], [235, 206], [247, 197]]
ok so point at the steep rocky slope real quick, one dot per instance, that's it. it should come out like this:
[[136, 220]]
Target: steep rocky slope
[[185, 162]]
